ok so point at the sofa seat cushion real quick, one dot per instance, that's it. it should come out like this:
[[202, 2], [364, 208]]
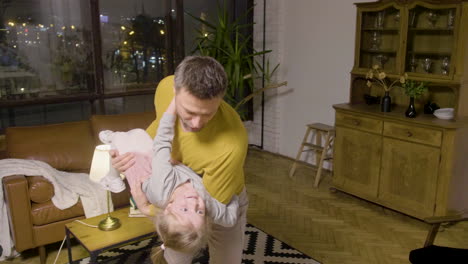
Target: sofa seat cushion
[[46, 213], [66, 146], [40, 189]]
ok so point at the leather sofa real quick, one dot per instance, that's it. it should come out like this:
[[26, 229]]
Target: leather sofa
[[34, 220]]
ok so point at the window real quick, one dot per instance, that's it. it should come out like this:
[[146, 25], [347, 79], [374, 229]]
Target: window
[[63, 60], [134, 52]]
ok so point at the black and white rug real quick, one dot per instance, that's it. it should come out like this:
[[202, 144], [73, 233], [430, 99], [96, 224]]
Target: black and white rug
[[259, 248]]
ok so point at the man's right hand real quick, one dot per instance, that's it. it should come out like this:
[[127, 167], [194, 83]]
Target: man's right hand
[[122, 162], [140, 198]]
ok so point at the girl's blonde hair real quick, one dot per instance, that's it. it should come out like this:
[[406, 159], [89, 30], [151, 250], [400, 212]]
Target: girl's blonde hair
[[178, 237]]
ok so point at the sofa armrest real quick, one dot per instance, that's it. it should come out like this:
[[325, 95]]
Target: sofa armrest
[[19, 211]]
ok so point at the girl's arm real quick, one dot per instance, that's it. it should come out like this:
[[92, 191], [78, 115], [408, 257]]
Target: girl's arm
[[164, 179]]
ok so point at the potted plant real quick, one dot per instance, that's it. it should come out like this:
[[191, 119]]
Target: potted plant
[[378, 76], [224, 41], [414, 90]]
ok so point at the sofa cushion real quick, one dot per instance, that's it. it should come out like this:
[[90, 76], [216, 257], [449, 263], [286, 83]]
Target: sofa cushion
[[66, 146], [122, 122], [46, 213], [40, 189]]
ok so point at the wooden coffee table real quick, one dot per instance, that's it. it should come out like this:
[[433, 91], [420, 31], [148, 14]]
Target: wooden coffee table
[[96, 241]]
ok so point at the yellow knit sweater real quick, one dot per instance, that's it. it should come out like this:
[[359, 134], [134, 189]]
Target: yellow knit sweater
[[217, 152]]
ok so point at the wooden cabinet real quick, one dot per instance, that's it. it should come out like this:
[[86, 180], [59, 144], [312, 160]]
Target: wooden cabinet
[[408, 176], [358, 153], [416, 166]]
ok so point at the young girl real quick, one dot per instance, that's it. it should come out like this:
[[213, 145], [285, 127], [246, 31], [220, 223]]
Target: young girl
[[183, 224], [176, 234]]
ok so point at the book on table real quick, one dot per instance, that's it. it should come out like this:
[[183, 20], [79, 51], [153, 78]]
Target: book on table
[[134, 211]]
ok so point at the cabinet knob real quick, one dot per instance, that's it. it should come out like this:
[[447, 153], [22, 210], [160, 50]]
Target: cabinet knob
[[356, 122], [409, 134]]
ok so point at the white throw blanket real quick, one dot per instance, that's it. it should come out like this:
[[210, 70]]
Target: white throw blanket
[[68, 188]]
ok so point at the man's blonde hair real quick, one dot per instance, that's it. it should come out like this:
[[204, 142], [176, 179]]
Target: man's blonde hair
[[179, 237]]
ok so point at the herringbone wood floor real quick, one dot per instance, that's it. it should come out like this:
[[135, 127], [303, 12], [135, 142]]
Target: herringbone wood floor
[[332, 227]]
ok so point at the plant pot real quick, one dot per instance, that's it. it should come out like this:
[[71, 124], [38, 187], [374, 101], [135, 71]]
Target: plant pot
[[385, 105], [411, 111]]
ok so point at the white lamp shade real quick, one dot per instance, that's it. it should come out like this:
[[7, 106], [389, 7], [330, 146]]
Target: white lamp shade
[[101, 163]]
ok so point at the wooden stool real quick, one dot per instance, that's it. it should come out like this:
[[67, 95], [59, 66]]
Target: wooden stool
[[319, 130]]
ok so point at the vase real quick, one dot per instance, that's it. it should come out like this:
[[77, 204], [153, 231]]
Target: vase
[[385, 105], [411, 111]]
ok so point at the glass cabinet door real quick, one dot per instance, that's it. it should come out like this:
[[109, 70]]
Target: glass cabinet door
[[380, 38], [431, 41]]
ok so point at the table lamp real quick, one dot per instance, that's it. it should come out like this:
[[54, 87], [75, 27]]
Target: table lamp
[[100, 166]]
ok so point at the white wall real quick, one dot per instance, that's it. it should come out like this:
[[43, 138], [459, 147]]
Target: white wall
[[314, 42]]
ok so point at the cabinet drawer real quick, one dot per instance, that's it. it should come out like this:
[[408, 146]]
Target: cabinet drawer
[[359, 122], [415, 134]]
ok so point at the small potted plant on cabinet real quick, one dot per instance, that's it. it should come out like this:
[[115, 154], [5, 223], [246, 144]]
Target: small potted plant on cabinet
[[414, 90]]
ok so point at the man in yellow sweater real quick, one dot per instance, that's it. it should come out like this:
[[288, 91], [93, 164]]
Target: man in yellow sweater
[[210, 139]]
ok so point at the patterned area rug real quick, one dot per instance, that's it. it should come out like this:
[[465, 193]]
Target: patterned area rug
[[260, 248]]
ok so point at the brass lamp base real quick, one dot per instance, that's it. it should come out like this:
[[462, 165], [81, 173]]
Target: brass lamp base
[[109, 224]]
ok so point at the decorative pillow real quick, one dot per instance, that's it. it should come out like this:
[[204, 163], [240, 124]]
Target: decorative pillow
[[40, 189]]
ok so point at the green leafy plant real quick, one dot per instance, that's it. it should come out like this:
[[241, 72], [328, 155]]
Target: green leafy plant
[[224, 41], [267, 75], [414, 89]]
